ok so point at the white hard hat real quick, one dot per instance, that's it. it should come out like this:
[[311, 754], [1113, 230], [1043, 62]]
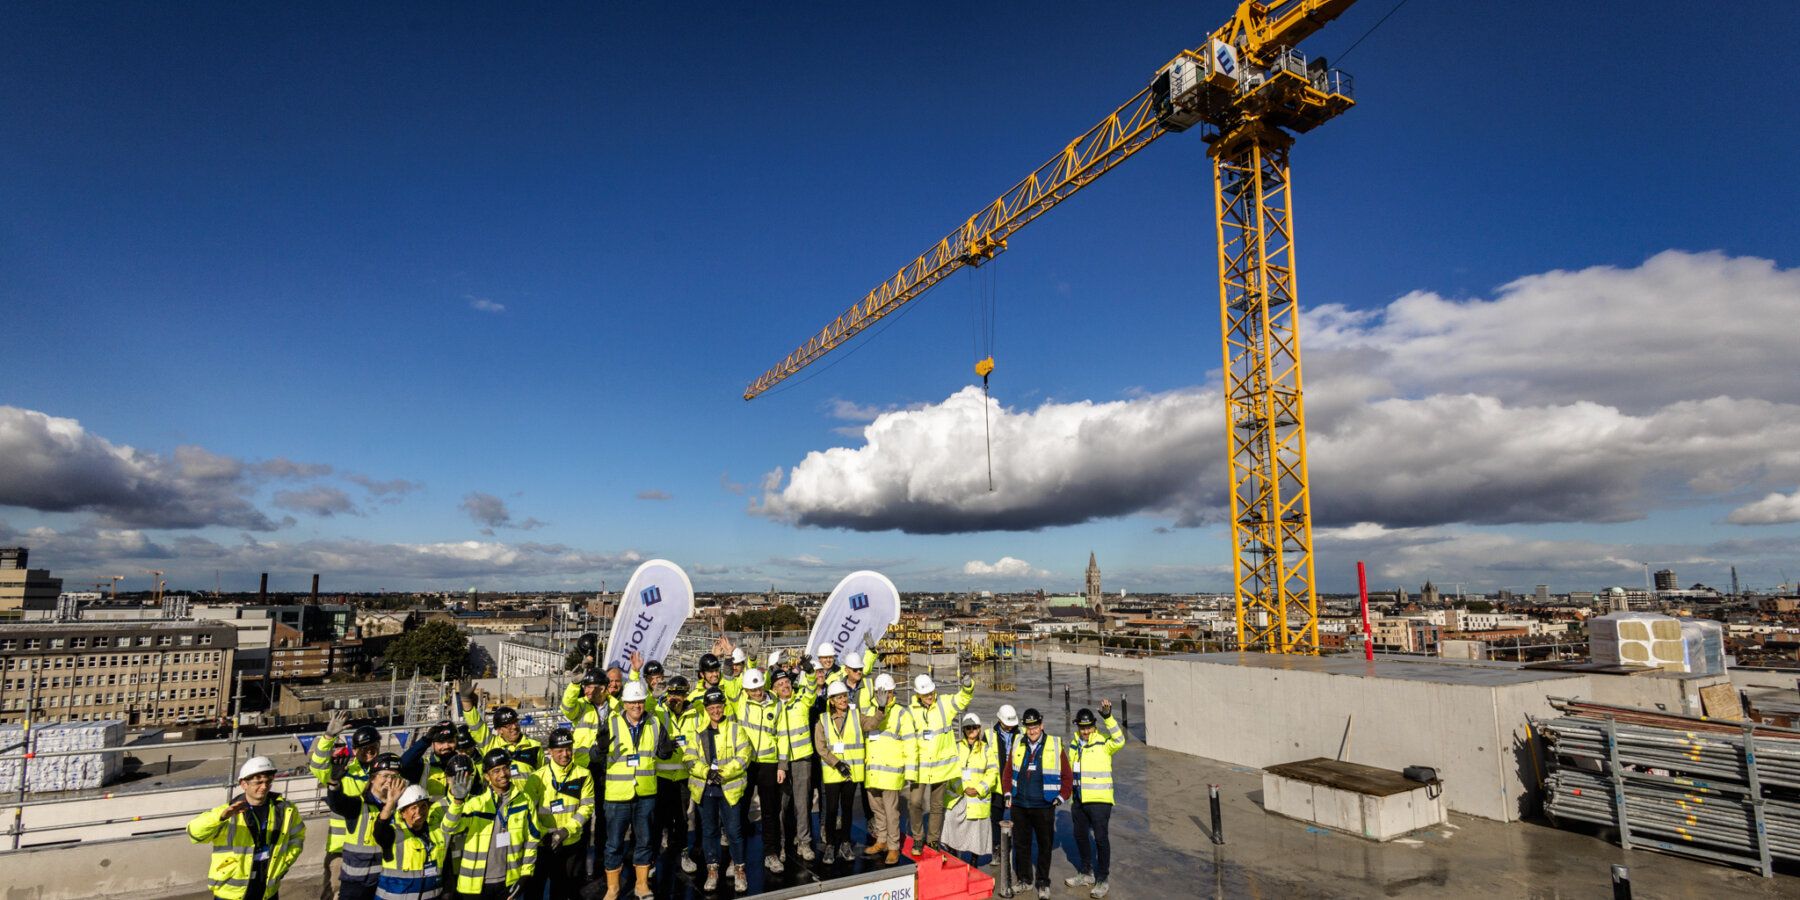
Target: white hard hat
[[635, 692], [1009, 716], [971, 719], [825, 649], [853, 660], [884, 682], [924, 685], [255, 765], [774, 658], [837, 687], [753, 679], [413, 794], [737, 655]]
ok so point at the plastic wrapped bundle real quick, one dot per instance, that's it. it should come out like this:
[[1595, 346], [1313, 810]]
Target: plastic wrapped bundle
[[1705, 640], [83, 771], [1638, 639]]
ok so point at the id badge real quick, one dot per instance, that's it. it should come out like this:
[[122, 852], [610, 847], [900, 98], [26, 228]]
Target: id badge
[[264, 854], [681, 740], [430, 866], [837, 748], [556, 807], [632, 760], [502, 839], [1031, 767], [715, 765]]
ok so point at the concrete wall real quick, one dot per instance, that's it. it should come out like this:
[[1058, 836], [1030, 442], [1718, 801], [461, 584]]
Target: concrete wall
[[134, 868], [1070, 658]]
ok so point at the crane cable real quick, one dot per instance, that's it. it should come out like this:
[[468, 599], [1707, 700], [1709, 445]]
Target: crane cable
[[982, 295]]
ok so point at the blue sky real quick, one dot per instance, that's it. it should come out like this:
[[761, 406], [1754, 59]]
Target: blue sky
[[505, 266]]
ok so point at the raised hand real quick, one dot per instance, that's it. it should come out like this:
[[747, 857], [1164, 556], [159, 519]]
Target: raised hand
[[237, 806], [1105, 708], [334, 724], [637, 661], [460, 784], [339, 765]]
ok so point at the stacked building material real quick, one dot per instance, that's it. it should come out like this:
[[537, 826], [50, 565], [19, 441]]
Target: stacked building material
[[80, 771], [1638, 639]]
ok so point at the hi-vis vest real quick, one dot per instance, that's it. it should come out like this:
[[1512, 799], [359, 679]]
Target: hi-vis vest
[[584, 718], [631, 768], [731, 753], [675, 768], [235, 847], [793, 726], [564, 797], [356, 781], [1050, 765], [362, 856], [415, 868], [496, 831], [931, 730], [1091, 761], [527, 754], [889, 756], [977, 767], [846, 744]]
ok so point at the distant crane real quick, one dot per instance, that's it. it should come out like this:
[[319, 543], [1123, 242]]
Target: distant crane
[[156, 584], [1248, 88], [115, 583]]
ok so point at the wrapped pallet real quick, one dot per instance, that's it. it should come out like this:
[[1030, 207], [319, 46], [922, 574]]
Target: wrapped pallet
[[78, 772], [1705, 640], [1638, 639]]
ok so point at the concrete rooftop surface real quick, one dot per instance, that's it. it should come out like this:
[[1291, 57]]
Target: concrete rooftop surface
[[1161, 845]]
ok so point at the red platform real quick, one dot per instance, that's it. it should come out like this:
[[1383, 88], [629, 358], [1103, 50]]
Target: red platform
[[943, 877]]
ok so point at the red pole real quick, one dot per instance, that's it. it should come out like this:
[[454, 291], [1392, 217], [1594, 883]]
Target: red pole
[[1362, 587]]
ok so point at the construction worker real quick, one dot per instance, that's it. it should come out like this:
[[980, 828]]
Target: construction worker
[[365, 744], [825, 659], [1006, 729], [929, 724], [672, 803], [794, 760], [885, 773], [712, 676], [500, 829], [255, 838], [1036, 779], [1090, 756], [361, 864], [838, 741], [631, 742], [563, 790], [969, 799], [757, 711], [585, 702], [730, 682], [507, 734], [425, 762], [412, 855], [717, 750]]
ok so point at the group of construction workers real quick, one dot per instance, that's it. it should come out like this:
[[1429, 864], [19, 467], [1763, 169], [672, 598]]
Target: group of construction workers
[[650, 762]]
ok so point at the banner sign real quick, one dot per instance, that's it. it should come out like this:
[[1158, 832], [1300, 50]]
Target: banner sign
[[858, 613], [657, 600]]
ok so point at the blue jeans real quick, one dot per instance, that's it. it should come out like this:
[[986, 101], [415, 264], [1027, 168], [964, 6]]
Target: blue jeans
[[634, 813], [714, 811]]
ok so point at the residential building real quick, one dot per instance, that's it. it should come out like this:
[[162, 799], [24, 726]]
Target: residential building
[[148, 673]]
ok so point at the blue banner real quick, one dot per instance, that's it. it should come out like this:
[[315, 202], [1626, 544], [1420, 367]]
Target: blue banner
[[403, 737], [306, 742]]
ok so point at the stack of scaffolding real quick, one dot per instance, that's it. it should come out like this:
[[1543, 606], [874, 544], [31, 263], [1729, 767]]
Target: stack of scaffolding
[[1728, 792], [82, 771]]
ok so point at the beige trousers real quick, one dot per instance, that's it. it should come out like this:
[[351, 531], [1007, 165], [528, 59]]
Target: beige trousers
[[884, 827]]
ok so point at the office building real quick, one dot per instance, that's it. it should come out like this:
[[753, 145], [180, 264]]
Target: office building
[[149, 673]]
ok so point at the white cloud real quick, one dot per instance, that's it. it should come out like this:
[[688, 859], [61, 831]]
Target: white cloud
[[1593, 396], [1775, 509], [1004, 567], [320, 500], [484, 304]]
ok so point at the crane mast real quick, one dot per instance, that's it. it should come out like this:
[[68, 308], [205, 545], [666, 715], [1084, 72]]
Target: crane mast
[[1250, 91]]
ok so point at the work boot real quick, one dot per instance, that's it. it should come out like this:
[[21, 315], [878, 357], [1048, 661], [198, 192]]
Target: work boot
[[612, 884], [893, 855], [1078, 879], [712, 878], [772, 864], [688, 865], [876, 849], [830, 855], [804, 848], [643, 883], [739, 883], [1098, 891]]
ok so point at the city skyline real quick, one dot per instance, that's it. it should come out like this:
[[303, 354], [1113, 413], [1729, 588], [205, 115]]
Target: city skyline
[[426, 298]]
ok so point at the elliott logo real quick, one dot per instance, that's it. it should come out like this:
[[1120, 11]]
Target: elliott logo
[[1226, 61], [859, 601], [651, 595]]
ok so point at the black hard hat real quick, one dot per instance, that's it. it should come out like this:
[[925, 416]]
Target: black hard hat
[[464, 737], [442, 731], [561, 737], [588, 643], [505, 715], [365, 736], [1085, 718], [593, 676], [495, 759], [1032, 717], [779, 674], [712, 695], [386, 762], [460, 764], [652, 669], [709, 663], [677, 684]]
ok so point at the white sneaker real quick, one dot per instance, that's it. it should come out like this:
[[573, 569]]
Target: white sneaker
[[712, 878], [1098, 891], [846, 852], [1044, 893], [688, 865], [772, 864], [830, 855], [1078, 879], [738, 881], [804, 848]]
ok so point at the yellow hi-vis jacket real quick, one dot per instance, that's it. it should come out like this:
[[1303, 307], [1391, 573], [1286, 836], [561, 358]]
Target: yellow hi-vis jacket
[[496, 831], [412, 867], [889, 756], [793, 725], [675, 768], [631, 767], [584, 718], [978, 767], [356, 781], [841, 743], [1091, 761], [527, 754], [236, 847], [758, 718], [931, 730], [564, 796], [731, 752]]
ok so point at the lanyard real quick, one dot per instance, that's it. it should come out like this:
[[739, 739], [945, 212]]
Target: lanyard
[[568, 777], [259, 829]]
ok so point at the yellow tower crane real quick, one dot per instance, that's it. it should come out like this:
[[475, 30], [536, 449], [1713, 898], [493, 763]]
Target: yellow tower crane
[[1250, 90]]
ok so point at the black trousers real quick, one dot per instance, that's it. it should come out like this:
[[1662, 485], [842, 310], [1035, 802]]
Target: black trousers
[[497, 891], [1097, 818], [671, 816], [768, 795], [563, 871], [347, 891], [1033, 825], [838, 810]]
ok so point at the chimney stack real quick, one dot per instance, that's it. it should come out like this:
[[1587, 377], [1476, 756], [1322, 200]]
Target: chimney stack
[[262, 593], [315, 593]]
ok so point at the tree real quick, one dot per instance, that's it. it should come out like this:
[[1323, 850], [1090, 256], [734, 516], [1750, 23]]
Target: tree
[[434, 646], [1480, 606]]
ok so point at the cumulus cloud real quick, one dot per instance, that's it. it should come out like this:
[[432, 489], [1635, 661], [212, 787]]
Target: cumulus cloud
[[286, 469], [490, 512], [53, 464], [320, 500], [1005, 567], [1591, 396], [655, 495], [1775, 509], [396, 487]]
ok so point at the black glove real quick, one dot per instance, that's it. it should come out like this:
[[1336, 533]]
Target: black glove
[[713, 778], [843, 768], [554, 838], [339, 765]]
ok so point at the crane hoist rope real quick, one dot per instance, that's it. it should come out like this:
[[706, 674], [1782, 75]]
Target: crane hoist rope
[[982, 307]]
